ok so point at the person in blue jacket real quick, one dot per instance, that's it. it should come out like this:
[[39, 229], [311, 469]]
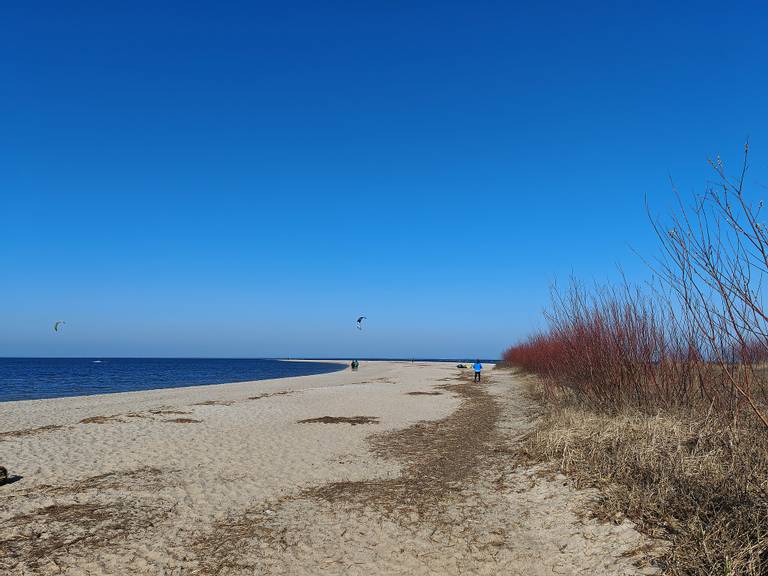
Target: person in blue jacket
[[477, 368]]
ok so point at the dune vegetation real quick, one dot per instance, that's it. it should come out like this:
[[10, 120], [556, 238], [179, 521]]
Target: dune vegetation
[[657, 394]]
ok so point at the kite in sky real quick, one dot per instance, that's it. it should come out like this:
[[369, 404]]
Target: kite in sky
[[57, 324], [360, 322]]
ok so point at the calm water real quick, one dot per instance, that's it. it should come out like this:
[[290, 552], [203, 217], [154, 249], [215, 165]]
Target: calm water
[[32, 378]]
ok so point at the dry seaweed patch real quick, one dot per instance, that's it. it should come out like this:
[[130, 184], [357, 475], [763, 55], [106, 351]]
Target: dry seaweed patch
[[169, 412], [692, 480], [215, 403], [228, 546], [82, 522], [440, 463], [424, 393], [39, 536], [184, 421], [439, 458], [64, 532], [270, 394], [29, 432], [144, 478], [101, 419], [353, 420]]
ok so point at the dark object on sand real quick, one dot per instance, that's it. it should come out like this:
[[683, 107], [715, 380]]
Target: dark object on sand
[[461, 365], [3, 475], [354, 420], [184, 421], [355, 364]]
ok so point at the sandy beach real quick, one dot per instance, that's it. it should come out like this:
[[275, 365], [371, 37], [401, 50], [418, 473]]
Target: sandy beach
[[399, 468]]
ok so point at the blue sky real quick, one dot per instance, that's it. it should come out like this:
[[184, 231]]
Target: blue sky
[[245, 179]]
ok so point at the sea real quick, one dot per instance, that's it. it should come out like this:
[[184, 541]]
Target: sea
[[35, 378]]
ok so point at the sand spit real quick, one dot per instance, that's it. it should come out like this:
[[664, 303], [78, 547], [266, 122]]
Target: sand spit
[[206, 481]]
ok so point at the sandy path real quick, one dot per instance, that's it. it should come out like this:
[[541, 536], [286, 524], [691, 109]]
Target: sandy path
[[225, 480]]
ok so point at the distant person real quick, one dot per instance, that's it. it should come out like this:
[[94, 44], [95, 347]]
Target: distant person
[[355, 364], [477, 367]]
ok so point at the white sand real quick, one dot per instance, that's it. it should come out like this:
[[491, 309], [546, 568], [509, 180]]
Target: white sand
[[136, 492]]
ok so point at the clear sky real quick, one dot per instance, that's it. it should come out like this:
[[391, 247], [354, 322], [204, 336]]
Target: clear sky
[[245, 178]]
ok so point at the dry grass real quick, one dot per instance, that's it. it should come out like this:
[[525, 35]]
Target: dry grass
[[28, 432], [353, 420], [690, 479]]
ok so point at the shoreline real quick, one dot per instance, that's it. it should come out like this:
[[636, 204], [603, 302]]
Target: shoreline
[[20, 412]]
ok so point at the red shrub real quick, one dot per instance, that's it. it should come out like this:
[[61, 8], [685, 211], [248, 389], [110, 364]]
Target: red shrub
[[700, 341]]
